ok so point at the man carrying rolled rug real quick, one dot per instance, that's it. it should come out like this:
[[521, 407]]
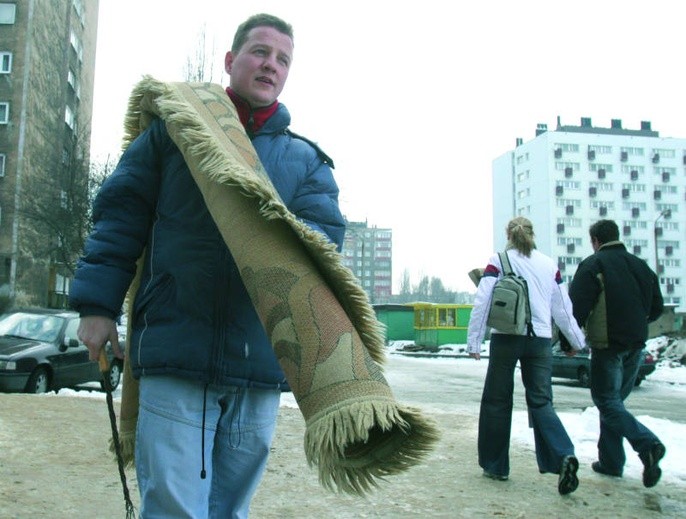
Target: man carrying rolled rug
[[209, 380]]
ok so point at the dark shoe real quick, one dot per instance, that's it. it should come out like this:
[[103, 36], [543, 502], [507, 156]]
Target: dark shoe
[[568, 481], [651, 458], [598, 467], [497, 477]]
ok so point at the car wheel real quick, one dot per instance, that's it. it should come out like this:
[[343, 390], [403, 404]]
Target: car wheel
[[583, 377], [115, 375], [39, 381]]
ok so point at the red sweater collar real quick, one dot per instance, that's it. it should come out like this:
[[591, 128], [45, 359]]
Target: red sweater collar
[[252, 119]]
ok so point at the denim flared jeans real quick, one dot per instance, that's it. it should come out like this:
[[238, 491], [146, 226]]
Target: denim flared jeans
[[173, 447], [613, 374], [495, 419]]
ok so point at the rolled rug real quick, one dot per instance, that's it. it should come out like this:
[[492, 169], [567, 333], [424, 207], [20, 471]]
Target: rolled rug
[[323, 329]]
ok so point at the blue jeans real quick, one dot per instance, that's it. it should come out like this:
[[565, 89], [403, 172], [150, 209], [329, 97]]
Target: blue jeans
[[613, 374], [239, 425], [495, 418]]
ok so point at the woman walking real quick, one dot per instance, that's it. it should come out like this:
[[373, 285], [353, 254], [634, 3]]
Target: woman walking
[[547, 298]]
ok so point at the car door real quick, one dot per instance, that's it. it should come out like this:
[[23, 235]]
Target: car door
[[75, 367], [564, 366]]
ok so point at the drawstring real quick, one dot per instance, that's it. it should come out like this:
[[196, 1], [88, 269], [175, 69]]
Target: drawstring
[[203, 473], [235, 418]]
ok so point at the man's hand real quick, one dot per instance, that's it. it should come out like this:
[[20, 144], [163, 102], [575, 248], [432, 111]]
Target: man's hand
[[95, 331]]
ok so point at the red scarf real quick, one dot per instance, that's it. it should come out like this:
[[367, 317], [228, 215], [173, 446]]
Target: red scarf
[[252, 119]]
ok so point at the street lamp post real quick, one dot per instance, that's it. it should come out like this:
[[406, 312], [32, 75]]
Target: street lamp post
[[666, 213]]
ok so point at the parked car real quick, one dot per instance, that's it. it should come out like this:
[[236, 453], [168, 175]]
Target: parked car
[[579, 366], [40, 351]]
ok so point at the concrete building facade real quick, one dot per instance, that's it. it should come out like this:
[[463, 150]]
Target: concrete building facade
[[565, 179], [368, 252], [47, 66]]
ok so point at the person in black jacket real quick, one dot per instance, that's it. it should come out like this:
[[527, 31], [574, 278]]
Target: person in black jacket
[[615, 295]]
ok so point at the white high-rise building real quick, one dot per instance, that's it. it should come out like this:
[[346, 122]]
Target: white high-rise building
[[565, 179]]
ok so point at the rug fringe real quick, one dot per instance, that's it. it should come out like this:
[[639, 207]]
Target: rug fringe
[[127, 444], [359, 444]]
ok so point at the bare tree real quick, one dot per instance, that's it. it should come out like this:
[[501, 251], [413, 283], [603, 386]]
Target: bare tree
[[56, 211], [200, 62], [422, 289]]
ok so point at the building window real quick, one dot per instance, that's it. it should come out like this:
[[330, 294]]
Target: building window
[[74, 83], [566, 147], [5, 62], [69, 118], [76, 45], [78, 7], [599, 167], [7, 13], [4, 113], [3, 160], [600, 149], [663, 153]]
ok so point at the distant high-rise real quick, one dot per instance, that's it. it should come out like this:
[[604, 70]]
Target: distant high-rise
[[368, 252], [565, 179], [47, 66]]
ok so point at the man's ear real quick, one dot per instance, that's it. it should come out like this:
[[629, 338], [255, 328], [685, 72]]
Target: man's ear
[[228, 62]]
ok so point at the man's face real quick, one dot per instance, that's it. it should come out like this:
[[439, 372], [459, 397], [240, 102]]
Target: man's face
[[260, 68]]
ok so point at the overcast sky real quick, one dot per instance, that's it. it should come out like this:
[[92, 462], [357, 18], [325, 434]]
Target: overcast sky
[[414, 100]]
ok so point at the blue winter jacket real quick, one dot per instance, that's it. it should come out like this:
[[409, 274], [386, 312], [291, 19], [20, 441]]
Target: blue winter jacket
[[192, 316]]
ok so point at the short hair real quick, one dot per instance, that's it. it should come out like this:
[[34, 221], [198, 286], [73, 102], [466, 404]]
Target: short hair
[[604, 231], [259, 20], [520, 235]]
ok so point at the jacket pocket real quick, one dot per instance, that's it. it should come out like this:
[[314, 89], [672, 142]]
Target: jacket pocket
[[157, 295]]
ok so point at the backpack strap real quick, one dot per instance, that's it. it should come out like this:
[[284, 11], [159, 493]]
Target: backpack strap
[[505, 263]]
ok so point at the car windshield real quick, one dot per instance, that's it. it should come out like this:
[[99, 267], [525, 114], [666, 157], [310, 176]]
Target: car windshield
[[31, 326]]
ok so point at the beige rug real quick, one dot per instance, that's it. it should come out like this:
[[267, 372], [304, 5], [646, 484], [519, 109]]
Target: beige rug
[[318, 318]]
